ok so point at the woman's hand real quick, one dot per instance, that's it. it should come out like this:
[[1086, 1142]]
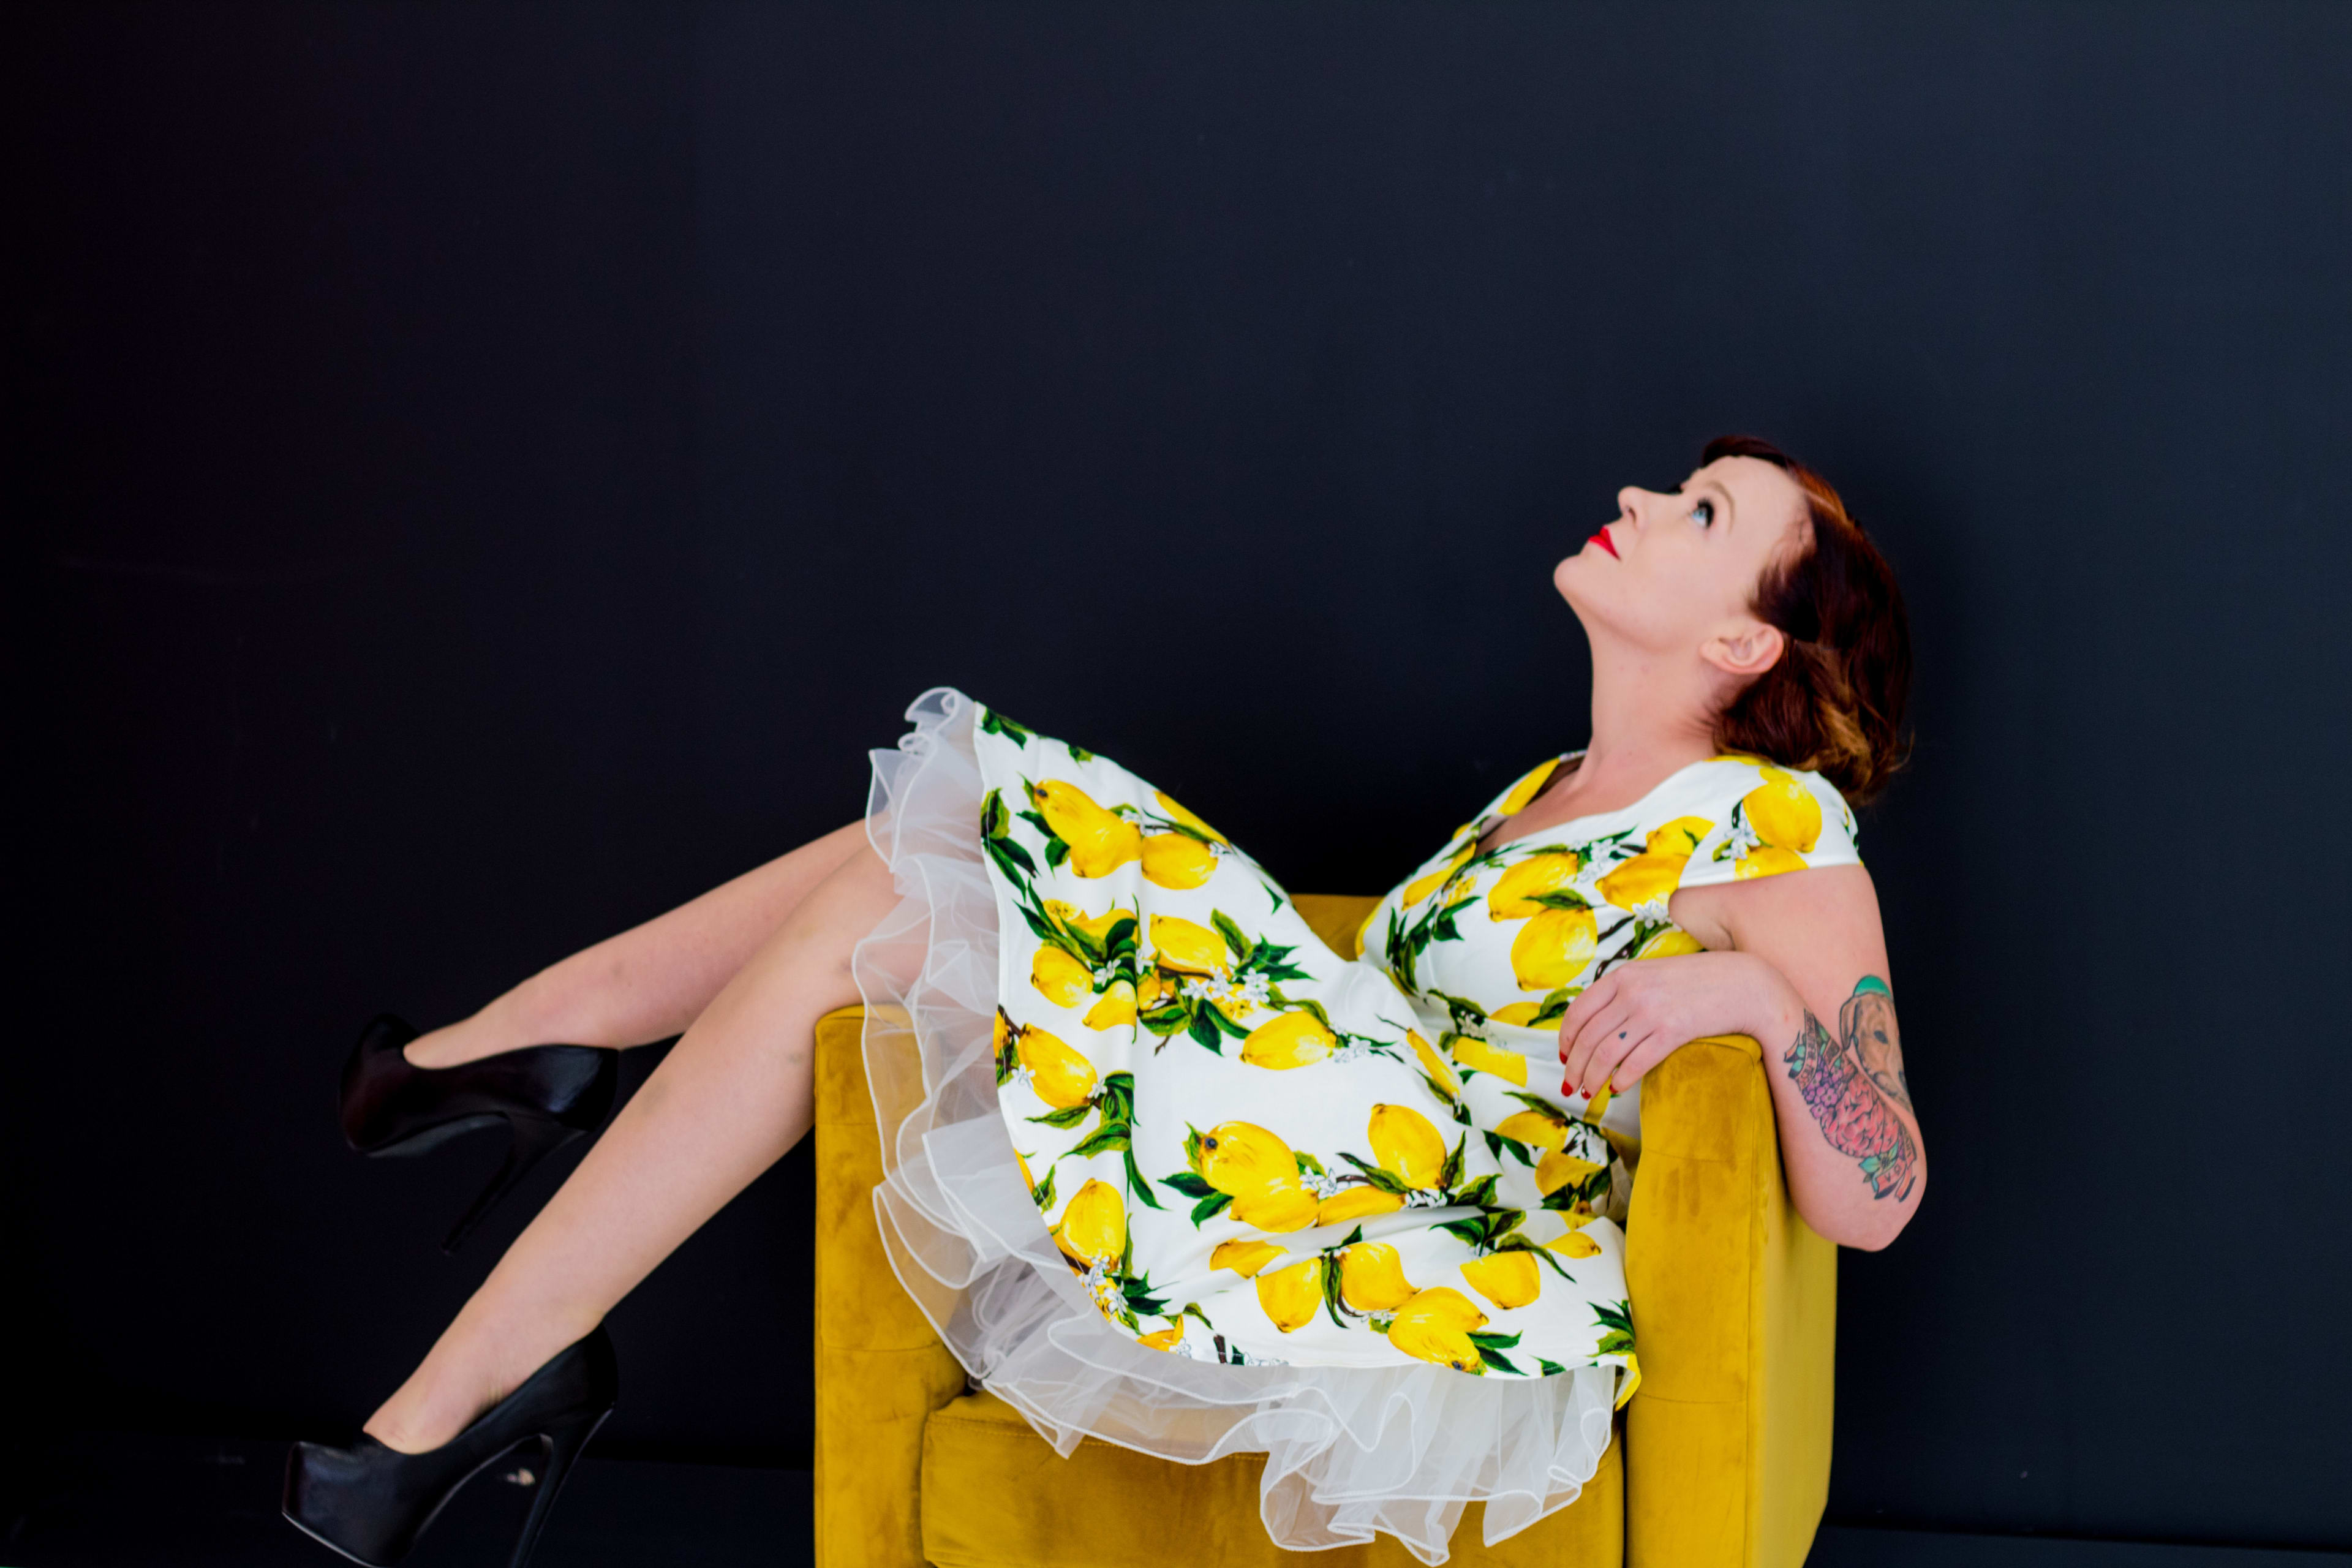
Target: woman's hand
[[1641, 1013]]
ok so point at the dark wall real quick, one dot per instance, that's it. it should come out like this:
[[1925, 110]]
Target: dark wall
[[478, 475]]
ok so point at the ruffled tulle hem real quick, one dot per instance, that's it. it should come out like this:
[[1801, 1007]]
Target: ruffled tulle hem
[[1350, 1450]]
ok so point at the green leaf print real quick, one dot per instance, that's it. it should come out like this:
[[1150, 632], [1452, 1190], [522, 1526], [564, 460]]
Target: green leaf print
[[1209, 1208], [1077, 754], [1069, 1115], [1549, 1368], [1237, 939], [1616, 1323], [994, 723], [1044, 1192], [1490, 1348]]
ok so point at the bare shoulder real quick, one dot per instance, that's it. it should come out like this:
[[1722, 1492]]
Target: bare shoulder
[[1825, 907]]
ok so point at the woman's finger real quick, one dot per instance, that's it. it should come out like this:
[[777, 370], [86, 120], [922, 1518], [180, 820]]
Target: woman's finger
[[1609, 1029], [1647, 1052]]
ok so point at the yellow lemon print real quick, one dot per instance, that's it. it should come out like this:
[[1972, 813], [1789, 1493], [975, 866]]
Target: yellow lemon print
[[1506, 1278], [1100, 841], [1422, 887], [1371, 1277], [1243, 1258], [1679, 836], [1435, 1066], [1059, 978], [1520, 1012], [1534, 1128], [1026, 1179], [1407, 1146], [1061, 1077], [1116, 1009], [1641, 879], [1186, 947], [1174, 860], [1175, 812], [1356, 1203], [1633, 1379], [1163, 1339], [1156, 988], [1670, 942], [1554, 948], [1364, 929], [1294, 1041], [1479, 1056], [1783, 812], [1072, 918], [1558, 1170], [1767, 860], [1435, 1325], [1525, 790], [1241, 1158], [1291, 1296], [1513, 896], [1279, 1206], [1094, 1225], [1575, 1243]]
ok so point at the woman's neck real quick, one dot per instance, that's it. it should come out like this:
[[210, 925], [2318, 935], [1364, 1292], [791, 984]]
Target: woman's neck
[[1649, 721]]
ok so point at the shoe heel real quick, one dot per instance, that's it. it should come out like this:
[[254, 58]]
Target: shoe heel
[[533, 1141], [563, 1447]]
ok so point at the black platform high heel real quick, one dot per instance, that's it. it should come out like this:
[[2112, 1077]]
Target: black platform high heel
[[547, 1096], [371, 1502]]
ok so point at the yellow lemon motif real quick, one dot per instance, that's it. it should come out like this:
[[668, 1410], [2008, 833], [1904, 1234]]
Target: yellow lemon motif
[[1186, 947], [1163, 1339], [1407, 1146], [1241, 1159], [1371, 1277], [1059, 978], [1281, 1206], [1116, 1009], [1513, 896], [1094, 1225], [1671, 943], [1100, 841], [1479, 1056], [1364, 929], [1156, 988], [1506, 1278], [1175, 861], [1356, 1203], [1783, 812], [1767, 860], [1559, 1169], [1292, 1296], [1643, 878], [1534, 1128], [1061, 1077], [1525, 790], [1071, 918], [1575, 1243], [1520, 1012], [1421, 887], [1679, 836], [1554, 948], [1294, 1041], [1435, 1325], [1243, 1258], [1435, 1066], [1026, 1179], [1176, 813]]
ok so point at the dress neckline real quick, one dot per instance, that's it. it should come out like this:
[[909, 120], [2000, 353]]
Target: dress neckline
[[1482, 847]]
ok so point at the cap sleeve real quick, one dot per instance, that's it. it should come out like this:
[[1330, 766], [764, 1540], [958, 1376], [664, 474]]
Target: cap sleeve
[[1772, 820]]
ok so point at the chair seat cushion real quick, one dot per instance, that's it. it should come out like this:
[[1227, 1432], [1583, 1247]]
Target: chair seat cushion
[[994, 1495]]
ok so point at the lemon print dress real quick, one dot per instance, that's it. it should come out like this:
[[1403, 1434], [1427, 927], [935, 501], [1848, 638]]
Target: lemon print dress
[[1165, 1170]]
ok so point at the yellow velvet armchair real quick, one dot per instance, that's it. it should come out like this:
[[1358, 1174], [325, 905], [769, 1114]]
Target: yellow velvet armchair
[[1722, 1458]]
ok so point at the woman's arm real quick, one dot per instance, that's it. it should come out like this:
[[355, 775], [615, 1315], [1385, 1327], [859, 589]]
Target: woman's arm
[[1798, 961]]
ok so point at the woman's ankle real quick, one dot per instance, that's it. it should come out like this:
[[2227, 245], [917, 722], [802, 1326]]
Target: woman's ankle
[[497, 1027]]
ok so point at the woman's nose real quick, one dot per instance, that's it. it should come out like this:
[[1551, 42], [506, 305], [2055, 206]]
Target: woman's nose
[[1629, 503]]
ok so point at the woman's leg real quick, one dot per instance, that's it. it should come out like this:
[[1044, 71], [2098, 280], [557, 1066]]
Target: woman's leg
[[730, 1099], [653, 980]]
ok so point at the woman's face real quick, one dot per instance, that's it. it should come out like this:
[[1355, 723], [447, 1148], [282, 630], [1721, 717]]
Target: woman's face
[[1676, 573]]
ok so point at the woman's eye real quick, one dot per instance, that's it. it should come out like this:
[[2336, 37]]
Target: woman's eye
[[1702, 512]]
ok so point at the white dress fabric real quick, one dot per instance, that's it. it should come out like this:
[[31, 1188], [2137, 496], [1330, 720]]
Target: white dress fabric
[[1088, 1011]]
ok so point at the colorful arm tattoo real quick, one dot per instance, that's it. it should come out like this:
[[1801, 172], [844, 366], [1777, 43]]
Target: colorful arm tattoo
[[1848, 1083]]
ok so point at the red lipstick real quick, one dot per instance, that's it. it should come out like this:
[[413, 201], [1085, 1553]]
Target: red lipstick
[[1602, 539]]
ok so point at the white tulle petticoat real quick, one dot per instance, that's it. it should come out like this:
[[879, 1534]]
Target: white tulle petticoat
[[1350, 1450]]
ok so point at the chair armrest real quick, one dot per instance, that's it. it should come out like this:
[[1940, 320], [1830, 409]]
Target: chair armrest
[[1734, 1320], [881, 1369]]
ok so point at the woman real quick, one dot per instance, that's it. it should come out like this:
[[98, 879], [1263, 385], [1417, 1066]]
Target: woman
[[1165, 1169]]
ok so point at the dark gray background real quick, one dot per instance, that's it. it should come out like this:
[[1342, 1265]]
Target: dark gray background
[[478, 475]]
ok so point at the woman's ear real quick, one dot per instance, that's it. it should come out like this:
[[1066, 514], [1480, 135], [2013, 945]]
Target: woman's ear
[[1749, 651]]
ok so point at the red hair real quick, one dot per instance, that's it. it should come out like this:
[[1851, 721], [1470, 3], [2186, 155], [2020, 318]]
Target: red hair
[[1834, 700]]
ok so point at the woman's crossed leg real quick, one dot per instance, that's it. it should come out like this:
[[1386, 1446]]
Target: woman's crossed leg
[[730, 1099]]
